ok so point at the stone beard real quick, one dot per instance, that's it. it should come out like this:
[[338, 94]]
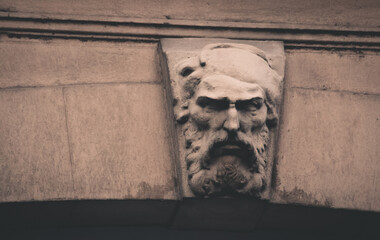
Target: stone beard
[[227, 104], [226, 163]]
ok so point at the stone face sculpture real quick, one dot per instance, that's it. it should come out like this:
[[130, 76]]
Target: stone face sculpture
[[226, 101]]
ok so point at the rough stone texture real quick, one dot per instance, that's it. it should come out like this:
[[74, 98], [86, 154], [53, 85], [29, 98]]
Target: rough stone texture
[[58, 62], [176, 50], [336, 71], [328, 149], [120, 142], [292, 12], [34, 154], [102, 134]]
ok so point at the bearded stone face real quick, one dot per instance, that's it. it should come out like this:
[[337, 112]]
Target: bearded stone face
[[226, 103], [226, 137]]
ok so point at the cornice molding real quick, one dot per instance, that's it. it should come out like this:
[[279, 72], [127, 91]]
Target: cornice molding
[[345, 38]]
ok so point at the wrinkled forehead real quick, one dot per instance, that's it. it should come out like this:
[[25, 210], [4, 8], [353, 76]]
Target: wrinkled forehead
[[221, 86], [237, 63]]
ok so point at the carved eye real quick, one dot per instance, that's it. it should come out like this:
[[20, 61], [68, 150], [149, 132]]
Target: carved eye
[[213, 104], [249, 105], [186, 71]]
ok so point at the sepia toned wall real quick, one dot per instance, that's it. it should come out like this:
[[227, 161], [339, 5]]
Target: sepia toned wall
[[83, 121], [85, 114]]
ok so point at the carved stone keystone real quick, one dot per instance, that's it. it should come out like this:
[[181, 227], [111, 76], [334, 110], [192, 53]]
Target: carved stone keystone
[[226, 98]]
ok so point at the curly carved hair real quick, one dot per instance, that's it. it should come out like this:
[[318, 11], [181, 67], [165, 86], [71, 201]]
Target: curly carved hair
[[189, 74]]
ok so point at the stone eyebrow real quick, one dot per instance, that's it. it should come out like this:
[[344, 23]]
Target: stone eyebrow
[[219, 103], [256, 102], [224, 103]]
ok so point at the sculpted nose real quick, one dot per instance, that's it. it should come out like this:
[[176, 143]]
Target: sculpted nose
[[232, 120]]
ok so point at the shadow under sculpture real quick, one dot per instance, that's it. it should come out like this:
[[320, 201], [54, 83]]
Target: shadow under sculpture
[[227, 104]]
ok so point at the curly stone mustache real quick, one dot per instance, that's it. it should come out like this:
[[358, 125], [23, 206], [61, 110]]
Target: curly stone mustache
[[205, 146]]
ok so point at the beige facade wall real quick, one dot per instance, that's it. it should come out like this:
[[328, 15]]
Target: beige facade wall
[[328, 149], [83, 120], [84, 111]]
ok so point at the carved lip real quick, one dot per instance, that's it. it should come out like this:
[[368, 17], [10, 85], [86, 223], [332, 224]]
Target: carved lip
[[234, 148]]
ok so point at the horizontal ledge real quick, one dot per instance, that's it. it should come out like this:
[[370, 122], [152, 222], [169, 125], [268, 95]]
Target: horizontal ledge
[[78, 85], [152, 32], [46, 17], [91, 36], [335, 91], [316, 45], [288, 44]]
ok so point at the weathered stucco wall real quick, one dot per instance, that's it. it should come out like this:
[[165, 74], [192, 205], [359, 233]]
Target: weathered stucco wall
[[84, 111], [83, 120], [330, 129]]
